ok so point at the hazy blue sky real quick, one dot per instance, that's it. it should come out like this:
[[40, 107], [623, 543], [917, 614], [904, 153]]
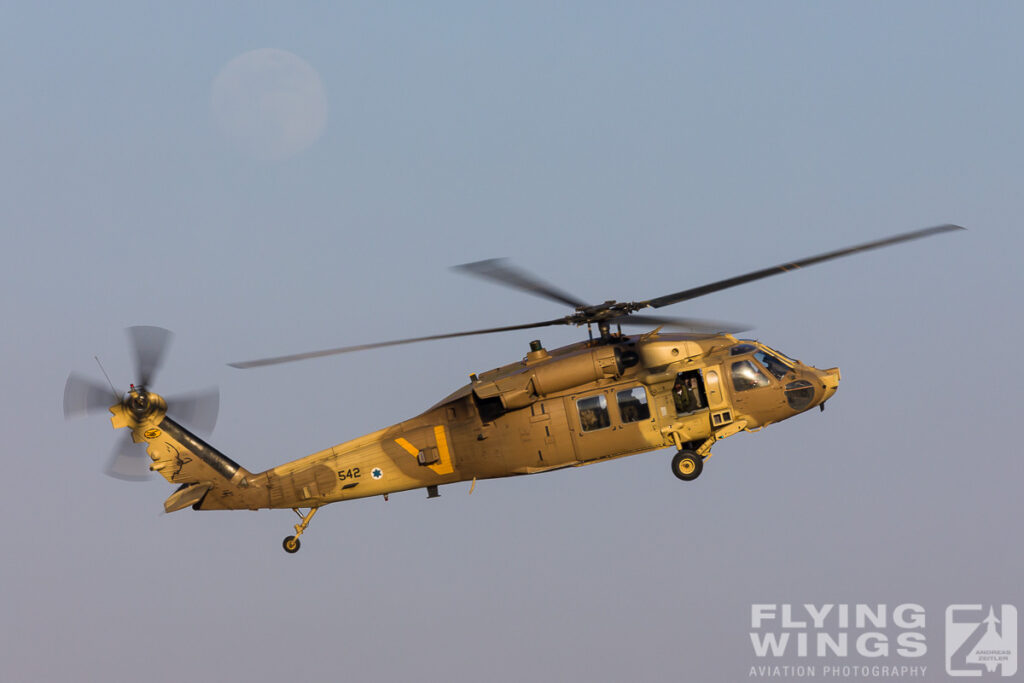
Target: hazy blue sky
[[622, 151]]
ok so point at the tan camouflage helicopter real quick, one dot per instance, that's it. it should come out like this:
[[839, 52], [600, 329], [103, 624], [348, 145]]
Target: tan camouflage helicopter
[[603, 398]]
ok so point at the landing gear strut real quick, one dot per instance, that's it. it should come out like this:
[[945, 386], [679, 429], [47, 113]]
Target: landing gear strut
[[291, 544]]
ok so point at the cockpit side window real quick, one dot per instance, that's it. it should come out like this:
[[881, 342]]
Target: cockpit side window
[[772, 364], [745, 376], [593, 413]]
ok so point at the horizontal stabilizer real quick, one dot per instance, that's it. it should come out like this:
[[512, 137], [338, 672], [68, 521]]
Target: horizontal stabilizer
[[186, 496]]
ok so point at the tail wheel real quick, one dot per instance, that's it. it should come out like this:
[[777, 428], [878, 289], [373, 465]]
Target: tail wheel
[[687, 465], [291, 544]]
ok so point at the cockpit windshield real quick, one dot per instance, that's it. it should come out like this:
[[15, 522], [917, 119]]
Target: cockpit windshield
[[786, 359], [778, 364]]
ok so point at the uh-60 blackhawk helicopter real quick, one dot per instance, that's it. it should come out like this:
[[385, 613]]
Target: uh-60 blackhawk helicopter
[[607, 397]]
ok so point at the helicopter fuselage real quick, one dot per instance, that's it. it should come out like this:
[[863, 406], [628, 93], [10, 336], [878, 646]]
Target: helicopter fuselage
[[587, 402], [573, 406]]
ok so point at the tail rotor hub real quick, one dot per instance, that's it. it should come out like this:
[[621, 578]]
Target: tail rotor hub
[[141, 403]]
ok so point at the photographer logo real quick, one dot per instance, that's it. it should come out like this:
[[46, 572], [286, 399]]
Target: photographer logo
[[981, 640]]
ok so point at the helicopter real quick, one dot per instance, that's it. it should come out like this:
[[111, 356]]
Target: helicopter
[[602, 398]]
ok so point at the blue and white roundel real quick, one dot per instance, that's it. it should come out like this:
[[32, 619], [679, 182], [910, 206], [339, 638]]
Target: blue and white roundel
[[376, 473]]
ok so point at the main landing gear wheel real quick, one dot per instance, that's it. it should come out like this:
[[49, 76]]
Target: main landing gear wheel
[[687, 465], [291, 543]]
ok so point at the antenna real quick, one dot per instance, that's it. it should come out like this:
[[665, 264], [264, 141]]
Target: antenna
[[112, 389]]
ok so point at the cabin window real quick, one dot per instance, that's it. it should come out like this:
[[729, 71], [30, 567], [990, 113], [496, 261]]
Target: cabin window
[[593, 413], [772, 364], [745, 375], [633, 405]]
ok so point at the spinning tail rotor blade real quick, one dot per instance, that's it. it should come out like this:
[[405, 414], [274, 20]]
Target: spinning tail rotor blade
[[129, 461], [83, 395], [197, 410], [150, 346]]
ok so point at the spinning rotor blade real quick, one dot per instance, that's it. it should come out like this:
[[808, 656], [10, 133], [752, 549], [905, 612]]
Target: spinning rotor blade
[[498, 270], [197, 411], [688, 294], [83, 395], [129, 461], [610, 312], [697, 325], [362, 347], [150, 345]]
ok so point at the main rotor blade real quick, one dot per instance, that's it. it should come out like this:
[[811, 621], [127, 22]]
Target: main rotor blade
[[197, 411], [499, 270], [362, 347], [84, 395], [129, 461], [689, 324], [688, 294], [150, 345]]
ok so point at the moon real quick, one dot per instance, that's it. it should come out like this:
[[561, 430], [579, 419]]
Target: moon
[[270, 103]]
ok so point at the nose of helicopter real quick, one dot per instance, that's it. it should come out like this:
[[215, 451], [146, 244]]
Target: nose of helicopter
[[830, 380]]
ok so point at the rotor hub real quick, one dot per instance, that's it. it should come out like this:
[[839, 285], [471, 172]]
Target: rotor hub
[[141, 403]]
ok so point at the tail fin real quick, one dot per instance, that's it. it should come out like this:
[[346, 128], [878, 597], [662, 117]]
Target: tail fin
[[183, 458], [207, 454]]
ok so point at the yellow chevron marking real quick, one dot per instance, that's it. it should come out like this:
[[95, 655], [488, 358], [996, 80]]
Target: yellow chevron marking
[[408, 447], [444, 466]]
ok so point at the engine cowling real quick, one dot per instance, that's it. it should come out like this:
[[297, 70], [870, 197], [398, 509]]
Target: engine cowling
[[546, 377]]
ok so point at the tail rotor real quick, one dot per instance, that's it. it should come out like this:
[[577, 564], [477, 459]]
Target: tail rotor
[[84, 395]]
